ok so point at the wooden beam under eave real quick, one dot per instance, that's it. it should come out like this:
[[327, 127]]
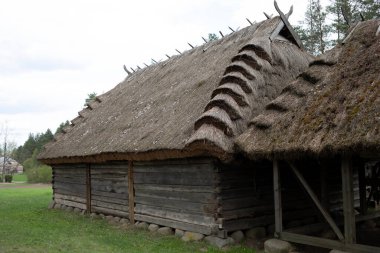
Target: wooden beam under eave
[[348, 200], [277, 199], [131, 193], [362, 187]]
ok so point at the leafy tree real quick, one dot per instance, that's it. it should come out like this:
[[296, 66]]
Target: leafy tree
[[212, 37], [314, 31], [90, 97]]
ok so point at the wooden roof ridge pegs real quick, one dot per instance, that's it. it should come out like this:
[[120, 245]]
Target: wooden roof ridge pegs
[[190, 45], [267, 16], [178, 51], [154, 60], [167, 56], [146, 64], [204, 40], [286, 23], [133, 70], [138, 67], [126, 70], [249, 21], [231, 29], [221, 34]]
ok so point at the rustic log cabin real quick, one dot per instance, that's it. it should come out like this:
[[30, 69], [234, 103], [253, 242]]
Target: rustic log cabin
[[325, 127], [159, 147]]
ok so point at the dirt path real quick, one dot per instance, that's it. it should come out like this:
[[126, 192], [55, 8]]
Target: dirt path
[[22, 185]]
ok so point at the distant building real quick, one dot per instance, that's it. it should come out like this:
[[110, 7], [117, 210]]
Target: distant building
[[11, 165]]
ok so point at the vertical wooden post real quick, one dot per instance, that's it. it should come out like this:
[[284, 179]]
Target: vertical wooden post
[[324, 190], [362, 188], [131, 193], [88, 188], [277, 199], [348, 201]]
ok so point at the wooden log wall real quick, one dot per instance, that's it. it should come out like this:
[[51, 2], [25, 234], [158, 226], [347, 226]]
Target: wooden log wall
[[177, 193], [69, 185], [109, 189], [246, 197]]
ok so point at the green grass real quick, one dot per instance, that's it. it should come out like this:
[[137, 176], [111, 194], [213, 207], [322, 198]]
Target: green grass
[[19, 178], [26, 225]]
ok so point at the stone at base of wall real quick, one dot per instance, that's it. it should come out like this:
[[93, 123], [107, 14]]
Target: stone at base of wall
[[165, 231], [192, 236], [338, 251], [153, 227], [219, 242], [179, 232], [51, 204], [277, 246], [238, 236]]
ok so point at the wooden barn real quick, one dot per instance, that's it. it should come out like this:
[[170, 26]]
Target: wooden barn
[[159, 147], [324, 132]]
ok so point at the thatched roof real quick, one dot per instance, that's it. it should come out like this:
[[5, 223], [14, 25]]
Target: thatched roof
[[191, 104], [333, 107]]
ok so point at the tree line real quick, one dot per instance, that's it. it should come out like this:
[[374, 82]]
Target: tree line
[[325, 26]]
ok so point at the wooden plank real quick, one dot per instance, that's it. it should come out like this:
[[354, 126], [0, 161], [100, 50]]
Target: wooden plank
[[110, 200], [67, 192], [174, 215], [110, 188], [246, 212], [238, 203], [70, 203], [131, 192], [368, 216], [348, 201], [277, 198], [121, 196], [177, 188], [88, 188], [175, 168], [175, 178], [70, 197], [110, 211], [71, 187], [185, 196], [312, 195], [327, 243], [105, 182], [207, 230], [109, 205], [183, 161], [362, 189]]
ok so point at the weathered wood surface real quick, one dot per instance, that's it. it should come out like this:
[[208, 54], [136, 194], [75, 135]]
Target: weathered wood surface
[[69, 185], [207, 230], [110, 211], [176, 192]]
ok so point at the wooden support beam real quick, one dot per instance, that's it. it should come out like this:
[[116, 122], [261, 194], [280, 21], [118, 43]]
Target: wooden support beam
[[327, 243], [131, 193], [312, 195], [362, 188], [277, 198], [348, 200], [88, 188]]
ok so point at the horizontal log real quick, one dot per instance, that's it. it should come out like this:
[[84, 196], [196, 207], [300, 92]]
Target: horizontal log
[[174, 178], [109, 194], [174, 215], [68, 192], [103, 210], [71, 187], [70, 197], [70, 203], [109, 205], [113, 177], [177, 188], [118, 172], [110, 200], [66, 180], [237, 193], [113, 183], [207, 230], [199, 197], [110, 166], [110, 188], [247, 212], [168, 169], [180, 204]]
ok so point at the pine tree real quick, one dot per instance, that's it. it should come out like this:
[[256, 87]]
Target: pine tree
[[313, 30]]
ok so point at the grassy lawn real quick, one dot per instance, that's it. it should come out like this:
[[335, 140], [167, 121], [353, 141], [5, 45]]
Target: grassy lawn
[[26, 225]]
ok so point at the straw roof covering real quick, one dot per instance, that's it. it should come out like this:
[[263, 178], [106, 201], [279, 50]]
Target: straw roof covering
[[333, 107], [192, 104]]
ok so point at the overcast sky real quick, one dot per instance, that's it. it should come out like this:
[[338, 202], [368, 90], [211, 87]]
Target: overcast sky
[[54, 53]]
